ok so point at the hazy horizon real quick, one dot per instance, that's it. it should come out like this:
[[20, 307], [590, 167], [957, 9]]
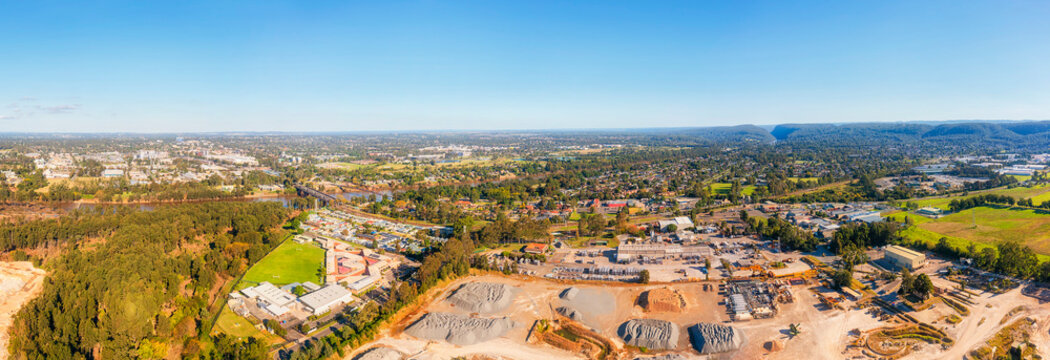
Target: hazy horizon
[[766, 127], [201, 67]]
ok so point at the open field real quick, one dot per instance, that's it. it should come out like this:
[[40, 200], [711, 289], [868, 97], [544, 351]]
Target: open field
[[341, 165], [831, 186], [899, 216], [1041, 198], [1036, 192], [290, 262], [238, 326], [994, 224], [797, 179], [723, 188]]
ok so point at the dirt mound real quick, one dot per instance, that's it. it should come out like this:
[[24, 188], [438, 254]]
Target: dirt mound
[[380, 353], [570, 313], [661, 300], [650, 333], [774, 345], [459, 329], [482, 297], [715, 338]]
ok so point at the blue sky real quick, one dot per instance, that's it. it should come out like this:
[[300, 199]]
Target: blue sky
[[150, 66]]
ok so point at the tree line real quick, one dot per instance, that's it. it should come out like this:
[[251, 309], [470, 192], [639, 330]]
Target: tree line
[[132, 282]]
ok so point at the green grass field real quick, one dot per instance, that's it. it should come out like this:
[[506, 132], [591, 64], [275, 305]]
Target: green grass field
[[796, 179], [291, 262], [1041, 192], [723, 188], [235, 325], [994, 225], [900, 215], [1022, 178], [1041, 198]]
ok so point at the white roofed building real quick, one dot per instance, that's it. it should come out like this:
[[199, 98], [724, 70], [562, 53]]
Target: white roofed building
[[324, 299], [270, 294]]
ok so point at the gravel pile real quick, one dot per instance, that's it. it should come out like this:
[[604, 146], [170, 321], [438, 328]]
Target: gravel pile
[[570, 313], [481, 297], [590, 304], [570, 293], [650, 333], [380, 353], [663, 357], [459, 329], [715, 338]]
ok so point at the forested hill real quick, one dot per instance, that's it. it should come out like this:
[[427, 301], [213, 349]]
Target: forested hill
[[139, 284], [1028, 133], [1015, 133]]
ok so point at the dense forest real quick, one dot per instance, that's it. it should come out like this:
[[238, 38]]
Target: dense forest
[[140, 284]]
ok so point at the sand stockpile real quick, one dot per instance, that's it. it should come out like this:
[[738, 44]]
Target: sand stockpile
[[650, 333], [459, 329], [380, 353], [589, 304], [480, 297], [661, 300], [715, 338]]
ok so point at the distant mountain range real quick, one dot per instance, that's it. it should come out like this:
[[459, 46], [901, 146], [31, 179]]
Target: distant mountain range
[[1024, 132], [960, 132]]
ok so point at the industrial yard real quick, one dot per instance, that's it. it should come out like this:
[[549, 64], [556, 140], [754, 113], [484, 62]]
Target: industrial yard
[[524, 317], [607, 309]]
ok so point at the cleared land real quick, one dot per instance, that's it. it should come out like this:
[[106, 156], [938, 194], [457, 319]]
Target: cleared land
[[288, 263], [19, 283]]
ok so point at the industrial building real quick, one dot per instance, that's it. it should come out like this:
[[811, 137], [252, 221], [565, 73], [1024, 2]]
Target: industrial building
[[749, 299], [929, 211], [269, 294], [270, 298], [740, 311], [628, 252], [681, 222], [324, 299], [904, 258]]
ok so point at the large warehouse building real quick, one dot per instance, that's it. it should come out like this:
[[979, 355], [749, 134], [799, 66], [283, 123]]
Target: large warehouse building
[[323, 300], [628, 252], [904, 258]]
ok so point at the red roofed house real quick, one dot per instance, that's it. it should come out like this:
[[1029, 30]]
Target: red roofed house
[[535, 248]]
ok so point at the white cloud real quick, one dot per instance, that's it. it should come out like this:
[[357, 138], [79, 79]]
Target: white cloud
[[60, 109]]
